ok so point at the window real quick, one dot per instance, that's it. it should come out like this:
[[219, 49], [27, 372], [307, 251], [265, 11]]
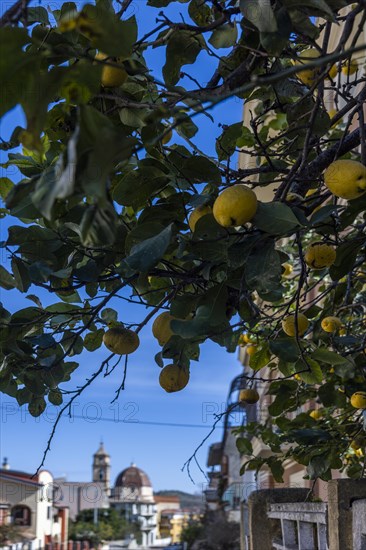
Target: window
[[21, 515]]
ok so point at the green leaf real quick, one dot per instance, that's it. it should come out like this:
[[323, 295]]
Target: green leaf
[[277, 469], [211, 312], [285, 349], [182, 49], [312, 376], [346, 255], [93, 340], [107, 32], [7, 281], [201, 169], [108, 314], [55, 397], [38, 14], [226, 143], [275, 218], [330, 357], [244, 446], [224, 36], [6, 185], [260, 358], [148, 253], [21, 274], [37, 406], [263, 268], [260, 13]]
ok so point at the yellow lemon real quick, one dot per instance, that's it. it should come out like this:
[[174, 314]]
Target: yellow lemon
[[358, 400], [173, 378], [161, 327], [349, 67], [121, 340], [342, 332], [316, 414], [198, 213], [235, 206], [245, 339], [111, 76], [288, 324], [251, 350], [297, 377], [333, 71], [309, 76], [357, 443], [332, 113], [331, 324], [320, 255], [346, 178], [248, 396], [288, 270]]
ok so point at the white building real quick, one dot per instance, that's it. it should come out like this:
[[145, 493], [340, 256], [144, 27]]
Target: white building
[[133, 495], [27, 503]]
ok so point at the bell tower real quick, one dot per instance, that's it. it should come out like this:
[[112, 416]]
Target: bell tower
[[102, 467]]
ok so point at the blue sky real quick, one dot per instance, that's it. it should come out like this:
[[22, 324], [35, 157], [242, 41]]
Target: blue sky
[[159, 450]]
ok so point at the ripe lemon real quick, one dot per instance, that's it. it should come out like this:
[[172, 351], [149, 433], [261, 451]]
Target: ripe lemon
[[316, 414], [173, 378], [346, 178], [349, 67], [331, 324], [320, 255], [358, 400], [121, 340], [235, 206], [161, 327], [244, 339], [297, 377], [198, 213], [309, 76], [111, 76], [251, 350], [357, 443], [333, 71], [288, 324], [288, 270], [248, 396]]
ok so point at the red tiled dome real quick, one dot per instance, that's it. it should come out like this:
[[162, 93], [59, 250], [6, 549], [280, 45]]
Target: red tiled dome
[[132, 477]]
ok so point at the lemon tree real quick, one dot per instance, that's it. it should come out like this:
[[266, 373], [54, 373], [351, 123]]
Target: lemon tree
[[249, 234]]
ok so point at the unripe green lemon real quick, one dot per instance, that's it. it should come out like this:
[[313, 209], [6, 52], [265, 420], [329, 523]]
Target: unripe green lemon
[[358, 400], [346, 178], [235, 206], [288, 324], [320, 255], [121, 340], [331, 324]]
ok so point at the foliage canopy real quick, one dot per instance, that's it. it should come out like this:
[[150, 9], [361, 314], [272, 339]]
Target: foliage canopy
[[109, 177]]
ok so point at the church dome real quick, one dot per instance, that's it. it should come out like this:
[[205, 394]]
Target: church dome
[[132, 477]]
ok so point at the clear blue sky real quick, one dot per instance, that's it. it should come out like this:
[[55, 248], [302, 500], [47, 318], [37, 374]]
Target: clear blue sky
[[159, 450]]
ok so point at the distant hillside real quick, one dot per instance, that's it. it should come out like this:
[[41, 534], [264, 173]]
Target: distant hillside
[[187, 500]]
